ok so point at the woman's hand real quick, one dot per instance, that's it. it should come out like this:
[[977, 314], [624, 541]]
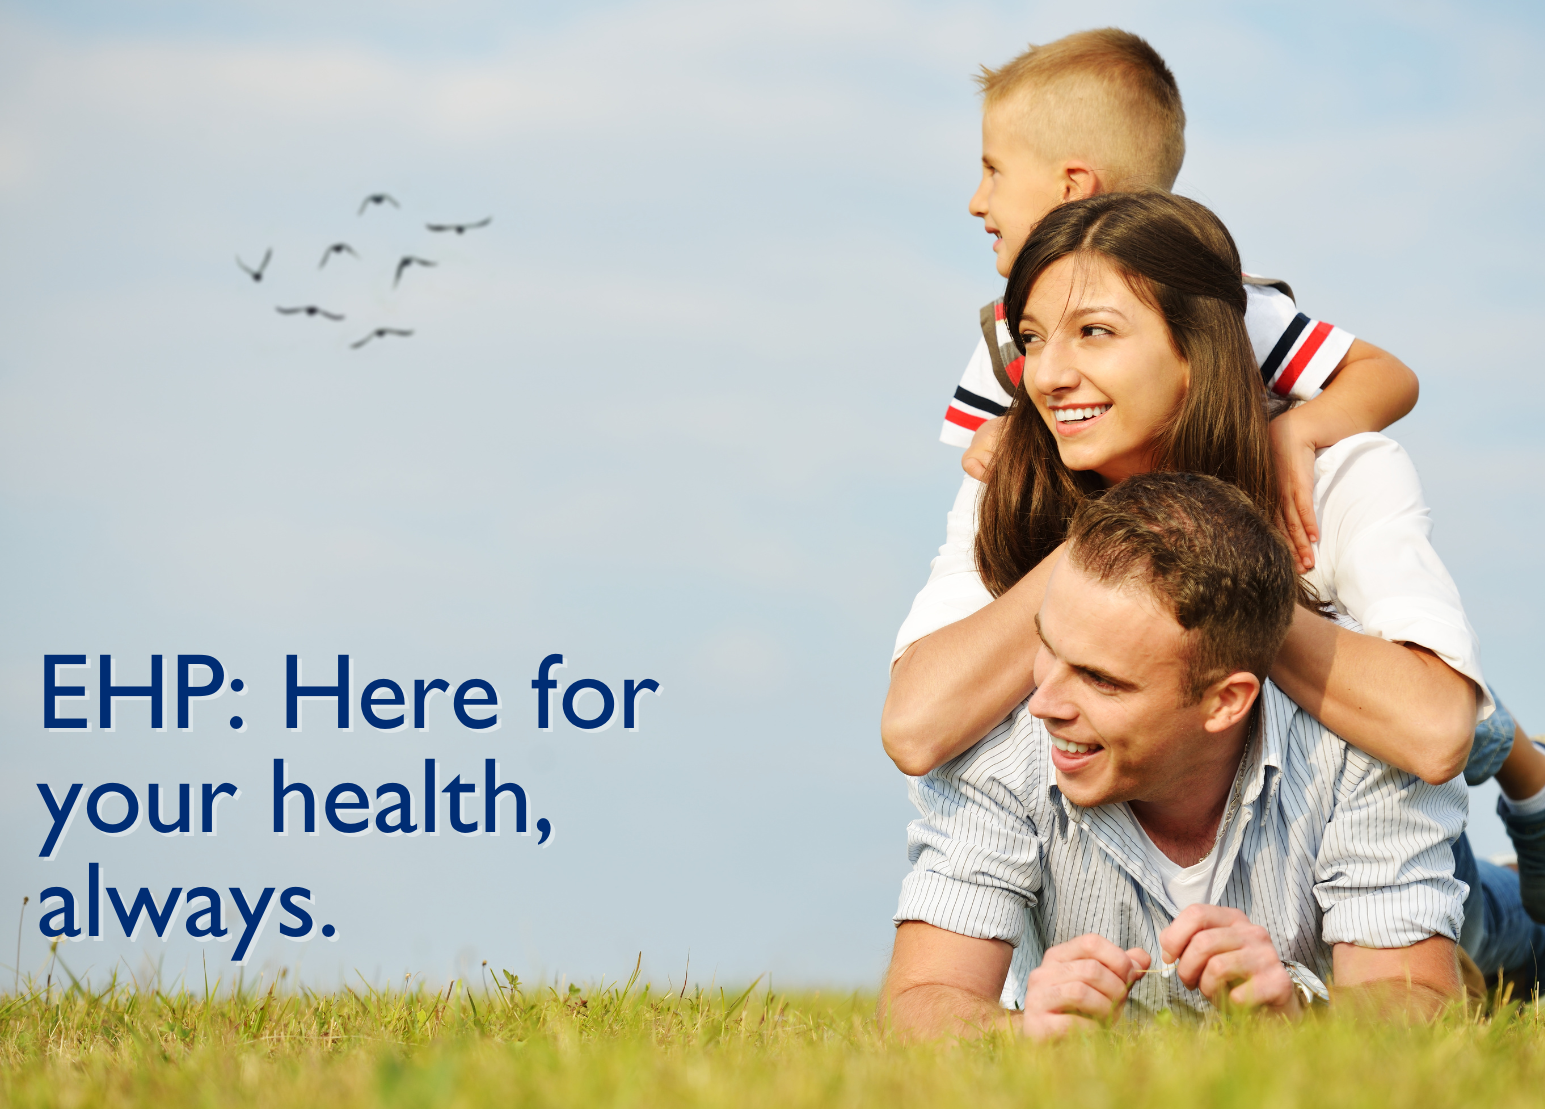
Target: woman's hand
[[1293, 446], [984, 443]]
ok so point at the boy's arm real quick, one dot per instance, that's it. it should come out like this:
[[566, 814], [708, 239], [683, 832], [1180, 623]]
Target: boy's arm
[[1369, 390]]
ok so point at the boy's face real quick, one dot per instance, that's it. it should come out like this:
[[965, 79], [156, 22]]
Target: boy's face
[[1017, 188]]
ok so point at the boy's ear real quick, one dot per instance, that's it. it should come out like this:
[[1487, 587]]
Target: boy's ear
[[1079, 179]]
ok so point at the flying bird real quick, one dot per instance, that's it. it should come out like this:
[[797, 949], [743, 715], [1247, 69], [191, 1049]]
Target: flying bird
[[379, 333], [377, 198], [336, 248], [255, 274], [410, 260], [459, 228], [310, 310]]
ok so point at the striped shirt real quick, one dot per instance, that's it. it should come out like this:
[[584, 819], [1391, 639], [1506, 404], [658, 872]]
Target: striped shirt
[[1296, 354], [1326, 845]]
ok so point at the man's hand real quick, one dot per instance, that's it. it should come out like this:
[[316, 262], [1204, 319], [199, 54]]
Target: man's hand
[[1079, 982], [1229, 959], [984, 443], [1293, 446]]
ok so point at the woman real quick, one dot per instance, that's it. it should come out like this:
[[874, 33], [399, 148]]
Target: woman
[[1130, 313]]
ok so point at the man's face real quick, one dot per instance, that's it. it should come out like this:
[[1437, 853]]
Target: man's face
[[1017, 188], [1110, 686]]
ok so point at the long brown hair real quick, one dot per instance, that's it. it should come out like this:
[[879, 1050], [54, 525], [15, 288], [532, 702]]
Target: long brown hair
[[1180, 259]]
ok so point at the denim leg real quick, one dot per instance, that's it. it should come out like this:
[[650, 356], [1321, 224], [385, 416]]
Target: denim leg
[[1491, 745], [1512, 942], [1528, 835], [1472, 936]]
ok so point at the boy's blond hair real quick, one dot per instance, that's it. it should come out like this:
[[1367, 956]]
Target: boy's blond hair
[[1103, 95]]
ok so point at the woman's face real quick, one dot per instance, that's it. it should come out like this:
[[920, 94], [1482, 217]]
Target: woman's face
[[1100, 367]]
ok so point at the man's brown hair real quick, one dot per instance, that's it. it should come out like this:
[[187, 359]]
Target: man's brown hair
[[1104, 95], [1207, 554], [1178, 258]]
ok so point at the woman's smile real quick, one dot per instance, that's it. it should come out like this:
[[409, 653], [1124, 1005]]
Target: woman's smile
[[1076, 419]]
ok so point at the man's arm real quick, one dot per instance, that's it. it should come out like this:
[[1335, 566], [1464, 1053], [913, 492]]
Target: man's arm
[[944, 984], [1419, 980]]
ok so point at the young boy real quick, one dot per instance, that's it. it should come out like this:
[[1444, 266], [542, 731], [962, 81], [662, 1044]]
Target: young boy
[[1099, 111]]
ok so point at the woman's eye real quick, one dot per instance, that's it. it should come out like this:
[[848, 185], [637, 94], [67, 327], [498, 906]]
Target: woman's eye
[[1027, 338], [1096, 329]]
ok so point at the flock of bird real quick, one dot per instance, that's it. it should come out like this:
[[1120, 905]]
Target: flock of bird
[[340, 248]]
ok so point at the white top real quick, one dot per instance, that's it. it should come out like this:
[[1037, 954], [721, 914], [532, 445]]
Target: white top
[[1296, 354], [1374, 561], [1185, 885]]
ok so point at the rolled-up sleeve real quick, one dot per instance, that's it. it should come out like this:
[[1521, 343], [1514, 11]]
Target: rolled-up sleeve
[[976, 856], [1384, 876], [954, 589]]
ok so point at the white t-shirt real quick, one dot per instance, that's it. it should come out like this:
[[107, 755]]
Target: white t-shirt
[[1374, 560], [1186, 885], [1295, 352]]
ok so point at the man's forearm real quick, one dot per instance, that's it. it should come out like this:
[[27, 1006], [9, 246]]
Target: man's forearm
[[1394, 997], [931, 1011], [1402, 705]]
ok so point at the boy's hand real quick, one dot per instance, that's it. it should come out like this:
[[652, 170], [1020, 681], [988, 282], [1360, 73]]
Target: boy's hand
[[1229, 959], [1078, 983], [1293, 446], [979, 454]]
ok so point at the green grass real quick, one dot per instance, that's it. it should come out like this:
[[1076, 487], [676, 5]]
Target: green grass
[[119, 1044]]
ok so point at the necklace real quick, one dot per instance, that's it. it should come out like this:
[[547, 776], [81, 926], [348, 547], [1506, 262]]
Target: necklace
[[1167, 970]]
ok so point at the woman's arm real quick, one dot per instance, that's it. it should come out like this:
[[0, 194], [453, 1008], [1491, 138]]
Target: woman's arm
[[951, 687], [1399, 702], [1406, 691]]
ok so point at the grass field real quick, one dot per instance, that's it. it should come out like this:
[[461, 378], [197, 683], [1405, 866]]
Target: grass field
[[513, 1044]]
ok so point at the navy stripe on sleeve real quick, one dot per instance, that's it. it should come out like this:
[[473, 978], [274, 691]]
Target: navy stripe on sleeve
[[1284, 344], [966, 396]]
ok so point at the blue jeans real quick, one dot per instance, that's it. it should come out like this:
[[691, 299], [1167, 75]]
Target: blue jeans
[[1491, 745], [1498, 934]]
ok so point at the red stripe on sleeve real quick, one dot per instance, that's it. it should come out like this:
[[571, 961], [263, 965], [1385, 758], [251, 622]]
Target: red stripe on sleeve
[[1015, 369], [997, 311], [1285, 380], [964, 419]]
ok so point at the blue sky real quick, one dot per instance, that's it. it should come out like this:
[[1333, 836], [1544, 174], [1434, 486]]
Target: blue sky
[[673, 414]]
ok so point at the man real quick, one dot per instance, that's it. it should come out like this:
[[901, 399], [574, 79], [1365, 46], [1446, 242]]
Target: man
[[1169, 827]]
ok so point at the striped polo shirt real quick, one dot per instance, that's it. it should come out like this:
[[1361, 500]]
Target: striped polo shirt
[[1328, 845]]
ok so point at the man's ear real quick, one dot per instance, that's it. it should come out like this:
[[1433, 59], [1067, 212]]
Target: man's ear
[[1080, 179], [1229, 700]]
